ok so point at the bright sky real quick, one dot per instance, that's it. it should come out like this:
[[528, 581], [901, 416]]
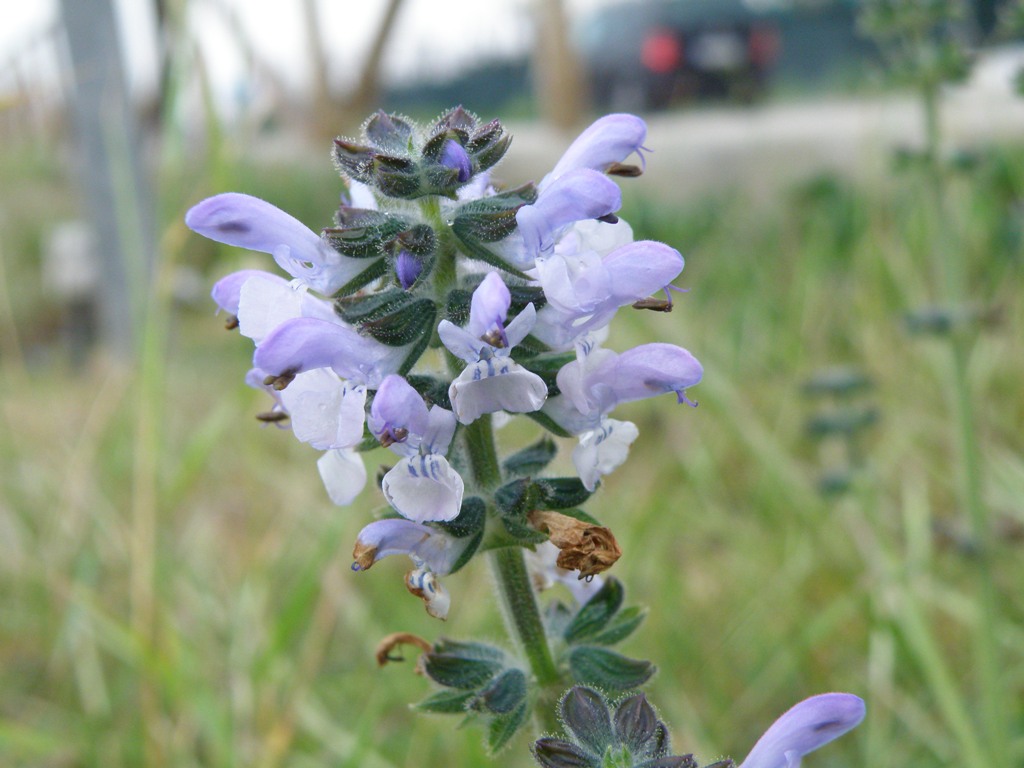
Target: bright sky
[[432, 37]]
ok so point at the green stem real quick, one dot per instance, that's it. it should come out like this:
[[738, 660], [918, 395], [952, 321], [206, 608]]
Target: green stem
[[522, 612], [952, 283]]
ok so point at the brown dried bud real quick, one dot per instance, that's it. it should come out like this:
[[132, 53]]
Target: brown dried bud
[[394, 640], [587, 548]]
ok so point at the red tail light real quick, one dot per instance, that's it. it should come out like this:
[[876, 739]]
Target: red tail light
[[661, 52], [763, 46]]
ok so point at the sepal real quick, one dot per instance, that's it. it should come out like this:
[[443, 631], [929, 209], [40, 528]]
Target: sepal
[[531, 460], [596, 613], [608, 670], [490, 219], [464, 666], [362, 233]]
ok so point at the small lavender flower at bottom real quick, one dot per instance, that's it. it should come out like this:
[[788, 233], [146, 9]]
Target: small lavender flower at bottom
[[804, 728], [433, 553]]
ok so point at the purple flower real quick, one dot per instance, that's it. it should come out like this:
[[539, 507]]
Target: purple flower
[[432, 552], [600, 379], [578, 195], [608, 140], [306, 343], [585, 287], [423, 486], [492, 381], [809, 725], [248, 222], [454, 156], [407, 269]]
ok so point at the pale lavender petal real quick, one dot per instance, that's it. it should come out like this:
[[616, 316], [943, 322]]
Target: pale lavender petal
[[489, 306], [809, 725], [496, 384], [435, 549], [575, 196], [397, 406], [603, 450], [454, 156], [343, 474], [610, 139], [264, 303], [640, 269], [460, 342], [226, 291], [306, 343], [325, 411], [248, 222], [424, 488], [440, 430], [652, 369], [582, 381], [360, 196], [577, 284], [521, 325], [561, 410]]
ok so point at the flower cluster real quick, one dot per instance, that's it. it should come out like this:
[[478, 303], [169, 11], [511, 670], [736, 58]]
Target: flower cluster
[[436, 299]]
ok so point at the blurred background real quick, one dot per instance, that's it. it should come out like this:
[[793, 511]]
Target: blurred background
[[842, 512]]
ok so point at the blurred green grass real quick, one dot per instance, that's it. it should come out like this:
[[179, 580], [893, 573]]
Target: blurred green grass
[[176, 588]]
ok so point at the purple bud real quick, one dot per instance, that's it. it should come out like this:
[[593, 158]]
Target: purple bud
[[455, 157], [407, 268]]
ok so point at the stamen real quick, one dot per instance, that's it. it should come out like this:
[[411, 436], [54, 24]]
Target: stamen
[[231, 322], [272, 417], [391, 436], [626, 170], [609, 218], [496, 338], [655, 305], [282, 380]]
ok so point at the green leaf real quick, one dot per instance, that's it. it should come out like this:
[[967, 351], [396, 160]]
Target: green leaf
[[523, 533], [595, 614], [517, 498], [504, 693], [490, 219], [533, 459], [620, 627], [447, 702], [607, 670], [363, 233], [404, 325], [548, 423], [470, 520], [359, 309], [562, 492], [375, 271], [474, 249], [503, 727], [467, 666]]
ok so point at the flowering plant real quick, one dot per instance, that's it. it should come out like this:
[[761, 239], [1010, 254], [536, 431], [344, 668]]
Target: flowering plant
[[435, 305]]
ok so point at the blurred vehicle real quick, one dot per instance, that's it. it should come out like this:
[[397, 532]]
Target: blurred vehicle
[[642, 56]]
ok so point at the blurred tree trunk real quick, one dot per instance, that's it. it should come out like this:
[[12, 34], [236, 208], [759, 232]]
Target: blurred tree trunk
[[113, 183], [331, 114], [558, 77]]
